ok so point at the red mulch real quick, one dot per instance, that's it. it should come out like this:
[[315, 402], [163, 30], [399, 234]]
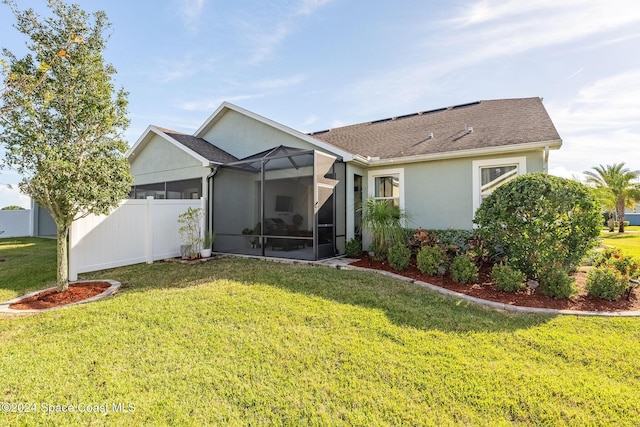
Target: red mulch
[[484, 289], [52, 298]]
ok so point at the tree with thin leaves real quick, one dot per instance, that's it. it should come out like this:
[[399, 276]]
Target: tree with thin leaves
[[385, 223], [616, 187], [64, 132]]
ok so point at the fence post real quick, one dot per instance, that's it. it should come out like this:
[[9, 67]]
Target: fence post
[[149, 230]]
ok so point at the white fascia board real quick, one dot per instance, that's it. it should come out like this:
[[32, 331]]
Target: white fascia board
[[346, 156], [476, 152], [154, 130], [135, 146]]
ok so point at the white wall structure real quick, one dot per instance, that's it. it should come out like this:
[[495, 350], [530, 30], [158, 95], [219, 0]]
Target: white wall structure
[[15, 223], [136, 231]]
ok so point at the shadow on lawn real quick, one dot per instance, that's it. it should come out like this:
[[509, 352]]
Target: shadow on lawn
[[403, 303], [29, 264]]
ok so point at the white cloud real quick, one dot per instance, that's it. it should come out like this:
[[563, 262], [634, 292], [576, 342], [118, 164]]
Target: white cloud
[[181, 68], [267, 29], [190, 12], [491, 29], [12, 196], [307, 7], [606, 104], [212, 104], [258, 89]]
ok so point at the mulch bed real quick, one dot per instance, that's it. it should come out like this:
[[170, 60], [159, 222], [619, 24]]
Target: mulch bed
[[52, 298], [484, 289]]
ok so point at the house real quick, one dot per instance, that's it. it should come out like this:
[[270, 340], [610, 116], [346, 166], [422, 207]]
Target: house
[[275, 191]]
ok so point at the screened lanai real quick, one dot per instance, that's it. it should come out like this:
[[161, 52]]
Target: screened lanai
[[284, 202]]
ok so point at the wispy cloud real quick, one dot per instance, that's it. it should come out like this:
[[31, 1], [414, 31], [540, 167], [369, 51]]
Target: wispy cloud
[[601, 124], [487, 30], [307, 7], [190, 12], [497, 28], [606, 104], [181, 68], [258, 89], [267, 30]]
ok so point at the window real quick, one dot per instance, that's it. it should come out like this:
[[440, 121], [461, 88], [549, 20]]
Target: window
[[185, 189], [387, 185], [491, 174]]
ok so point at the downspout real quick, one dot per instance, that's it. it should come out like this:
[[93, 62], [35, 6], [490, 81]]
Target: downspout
[[209, 213], [545, 160]]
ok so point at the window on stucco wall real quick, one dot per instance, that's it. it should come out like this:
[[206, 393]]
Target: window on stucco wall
[[490, 174], [387, 185]]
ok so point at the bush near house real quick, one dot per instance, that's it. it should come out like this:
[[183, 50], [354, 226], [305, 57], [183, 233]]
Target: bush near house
[[353, 248], [431, 260], [556, 283], [399, 256], [507, 279], [542, 225], [606, 283], [463, 270]]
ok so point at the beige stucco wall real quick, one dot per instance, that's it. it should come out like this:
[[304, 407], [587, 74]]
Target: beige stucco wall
[[160, 161]]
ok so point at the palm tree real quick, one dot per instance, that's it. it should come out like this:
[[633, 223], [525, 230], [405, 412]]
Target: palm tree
[[615, 183], [385, 222]]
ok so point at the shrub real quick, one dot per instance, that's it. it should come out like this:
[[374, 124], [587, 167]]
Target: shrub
[[507, 279], [538, 221], [384, 221], [353, 248], [606, 283], [430, 259], [604, 255], [463, 270], [399, 256], [556, 283], [613, 257], [422, 238], [627, 265]]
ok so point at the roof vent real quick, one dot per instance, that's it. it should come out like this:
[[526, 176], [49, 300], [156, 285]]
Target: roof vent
[[430, 135], [470, 129]]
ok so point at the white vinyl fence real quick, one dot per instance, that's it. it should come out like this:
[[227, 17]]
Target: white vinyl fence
[[137, 231], [15, 223]]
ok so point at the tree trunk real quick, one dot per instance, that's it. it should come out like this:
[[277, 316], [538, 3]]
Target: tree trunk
[[63, 258], [621, 217]]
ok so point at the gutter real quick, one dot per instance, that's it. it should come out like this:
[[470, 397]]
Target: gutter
[[487, 151]]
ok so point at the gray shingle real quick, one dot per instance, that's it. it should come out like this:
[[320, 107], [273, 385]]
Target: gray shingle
[[202, 147], [495, 123]]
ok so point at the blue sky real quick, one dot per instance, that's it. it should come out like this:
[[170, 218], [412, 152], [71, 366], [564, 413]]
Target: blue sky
[[318, 64]]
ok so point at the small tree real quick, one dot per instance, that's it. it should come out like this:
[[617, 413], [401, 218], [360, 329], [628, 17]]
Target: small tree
[[615, 187], [385, 222], [63, 130], [191, 229], [13, 208], [539, 223]]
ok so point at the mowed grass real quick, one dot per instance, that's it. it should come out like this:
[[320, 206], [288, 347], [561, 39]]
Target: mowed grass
[[29, 265], [247, 342], [628, 242]]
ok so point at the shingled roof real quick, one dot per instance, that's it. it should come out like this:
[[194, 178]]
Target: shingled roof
[[477, 125], [200, 146]]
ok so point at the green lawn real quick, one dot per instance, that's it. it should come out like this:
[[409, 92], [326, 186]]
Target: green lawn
[[247, 342], [629, 241]]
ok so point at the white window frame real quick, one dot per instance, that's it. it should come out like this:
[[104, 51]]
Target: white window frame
[[371, 179], [477, 165]]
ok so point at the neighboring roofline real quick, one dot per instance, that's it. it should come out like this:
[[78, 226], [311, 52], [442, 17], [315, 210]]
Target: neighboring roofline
[[475, 152], [155, 130], [345, 155]]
